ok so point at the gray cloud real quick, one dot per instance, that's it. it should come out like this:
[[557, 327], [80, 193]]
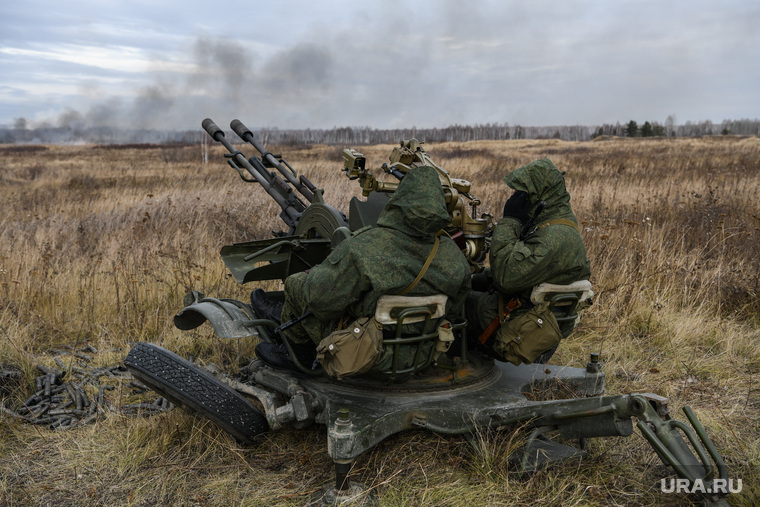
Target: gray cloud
[[388, 64]]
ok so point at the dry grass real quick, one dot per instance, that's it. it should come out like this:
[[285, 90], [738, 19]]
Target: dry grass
[[98, 246]]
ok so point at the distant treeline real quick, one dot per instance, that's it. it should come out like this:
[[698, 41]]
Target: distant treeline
[[367, 135]]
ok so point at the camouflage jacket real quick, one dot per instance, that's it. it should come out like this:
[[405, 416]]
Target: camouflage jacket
[[387, 258], [553, 253]]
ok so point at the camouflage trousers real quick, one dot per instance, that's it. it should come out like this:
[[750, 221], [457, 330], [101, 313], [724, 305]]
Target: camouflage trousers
[[480, 308], [295, 305]]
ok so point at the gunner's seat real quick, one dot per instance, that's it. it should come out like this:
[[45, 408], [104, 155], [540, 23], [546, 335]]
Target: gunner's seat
[[415, 333], [565, 301]]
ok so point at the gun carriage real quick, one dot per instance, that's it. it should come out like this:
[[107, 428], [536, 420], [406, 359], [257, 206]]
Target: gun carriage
[[454, 390]]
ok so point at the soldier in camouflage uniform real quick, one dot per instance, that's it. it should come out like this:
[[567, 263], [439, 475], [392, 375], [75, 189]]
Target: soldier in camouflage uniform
[[552, 250], [378, 261]]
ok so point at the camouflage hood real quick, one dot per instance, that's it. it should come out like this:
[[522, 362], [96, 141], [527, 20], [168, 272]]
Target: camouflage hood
[[543, 182], [417, 208]]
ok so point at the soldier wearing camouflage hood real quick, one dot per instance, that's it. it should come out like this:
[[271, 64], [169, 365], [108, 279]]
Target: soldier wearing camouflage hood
[[377, 261], [537, 240]]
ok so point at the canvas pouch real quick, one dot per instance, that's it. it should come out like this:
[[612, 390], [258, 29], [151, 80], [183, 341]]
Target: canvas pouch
[[523, 338], [353, 350]]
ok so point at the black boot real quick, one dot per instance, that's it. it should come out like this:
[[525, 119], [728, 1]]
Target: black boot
[[277, 356], [265, 307]]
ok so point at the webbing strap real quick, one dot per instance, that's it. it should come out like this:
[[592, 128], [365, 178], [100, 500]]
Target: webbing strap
[[424, 266], [501, 317], [560, 221]]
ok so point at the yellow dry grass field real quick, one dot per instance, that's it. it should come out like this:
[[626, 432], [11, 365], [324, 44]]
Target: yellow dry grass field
[[98, 245]]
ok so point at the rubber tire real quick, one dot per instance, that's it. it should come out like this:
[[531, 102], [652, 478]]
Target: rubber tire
[[188, 385]]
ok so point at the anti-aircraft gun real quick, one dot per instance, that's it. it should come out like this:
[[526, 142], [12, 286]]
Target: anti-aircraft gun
[[454, 393], [315, 227]]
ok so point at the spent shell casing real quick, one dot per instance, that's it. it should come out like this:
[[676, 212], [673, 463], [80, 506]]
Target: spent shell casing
[[44, 369], [29, 405], [58, 421], [44, 408], [78, 399], [88, 419], [45, 420], [65, 423], [70, 390], [69, 412], [99, 402], [83, 395], [137, 406], [59, 362], [13, 414], [90, 348], [93, 406], [30, 409], [58, 389], [81, 371], [119, 370], [137, 385], [33, 400]]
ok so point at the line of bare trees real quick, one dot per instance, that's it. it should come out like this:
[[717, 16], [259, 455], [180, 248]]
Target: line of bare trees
[[18, 134]]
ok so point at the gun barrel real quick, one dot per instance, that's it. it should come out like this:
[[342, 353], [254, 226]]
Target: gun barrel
[[292, 208], [218, 135], [212, 129], [246, 135]]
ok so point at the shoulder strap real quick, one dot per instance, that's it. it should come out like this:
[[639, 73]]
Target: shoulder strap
[[424, 266], [560, 221], [505, 310]]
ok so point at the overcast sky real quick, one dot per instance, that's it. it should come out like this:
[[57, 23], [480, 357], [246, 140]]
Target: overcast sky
[[383, 64]]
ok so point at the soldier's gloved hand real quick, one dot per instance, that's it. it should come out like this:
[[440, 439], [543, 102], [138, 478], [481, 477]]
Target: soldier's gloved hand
[[517, 206]]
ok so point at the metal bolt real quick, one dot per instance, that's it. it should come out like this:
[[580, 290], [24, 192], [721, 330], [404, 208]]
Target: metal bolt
[[594, 366]]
